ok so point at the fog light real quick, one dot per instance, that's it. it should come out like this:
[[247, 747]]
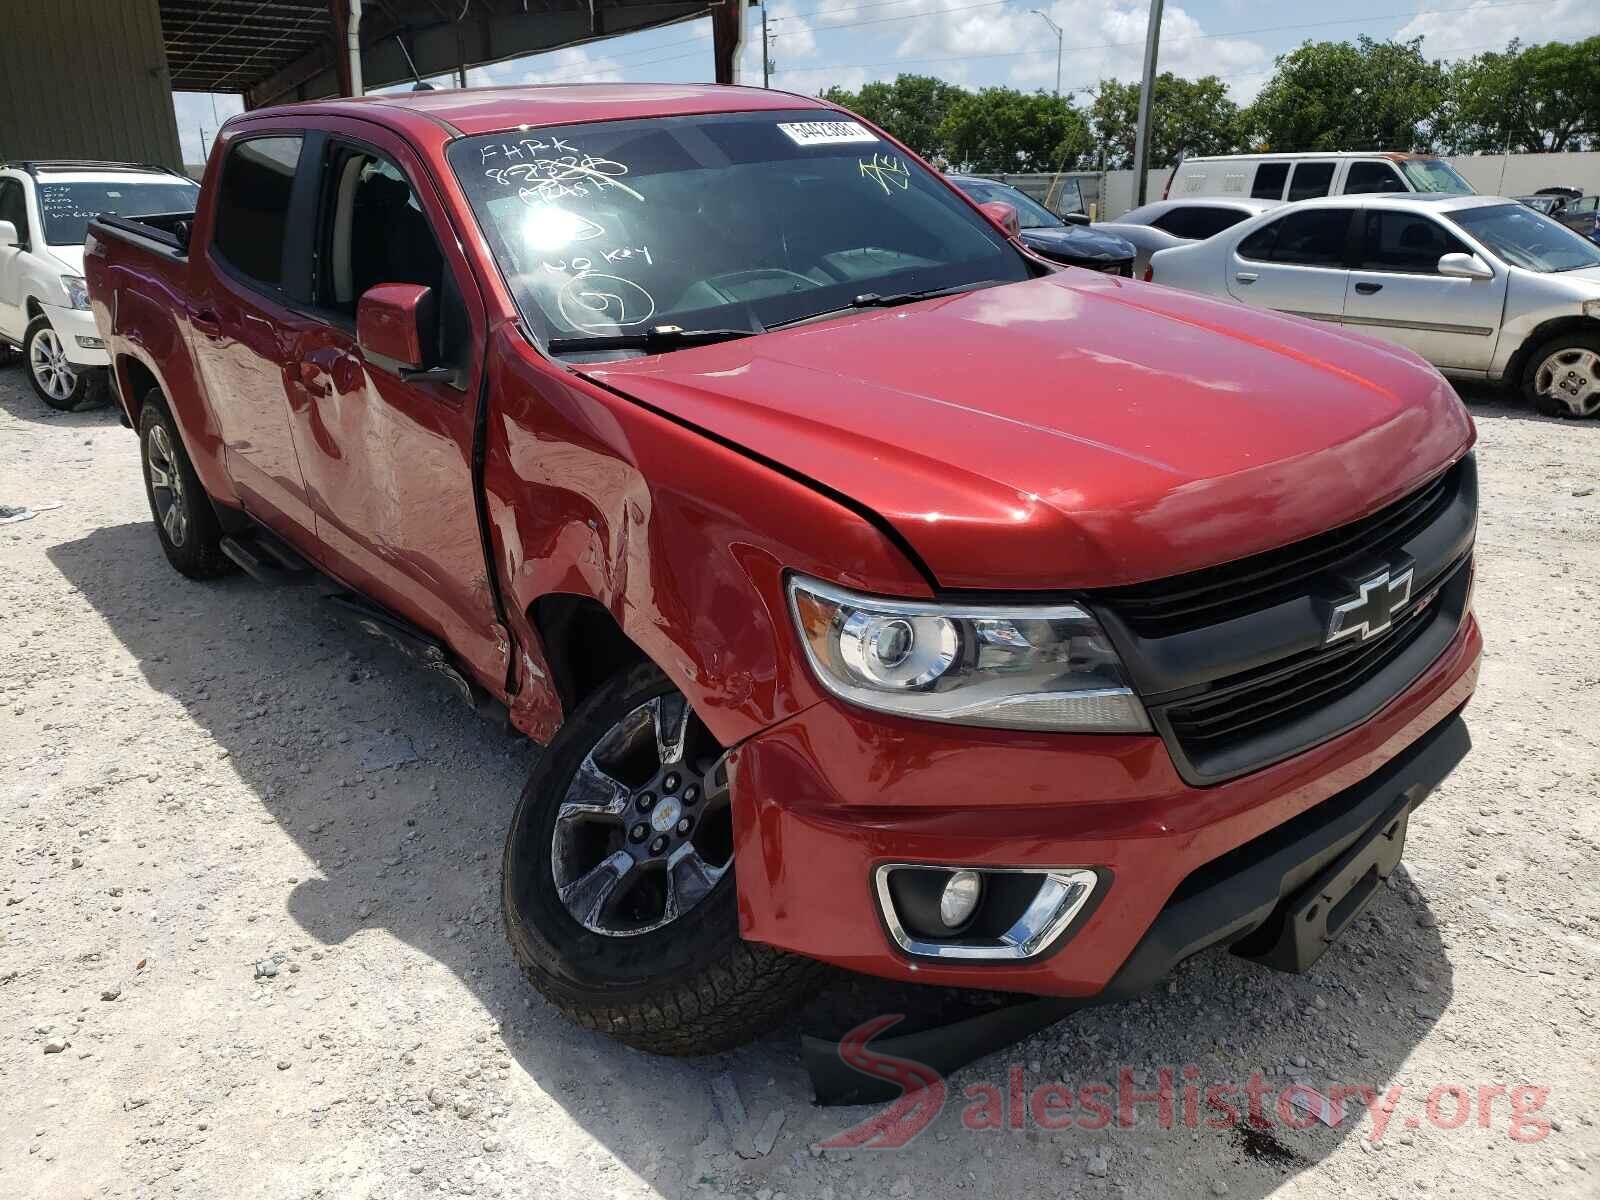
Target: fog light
[[959, 899], [90, 343]]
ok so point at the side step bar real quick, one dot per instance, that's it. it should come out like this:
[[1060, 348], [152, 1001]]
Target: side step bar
[[264, 558], [420, 647]]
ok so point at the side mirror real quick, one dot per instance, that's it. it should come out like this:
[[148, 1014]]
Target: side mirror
[[1464, 266], [1003, 215], [9, 240], [395, 323], [1075, 218]]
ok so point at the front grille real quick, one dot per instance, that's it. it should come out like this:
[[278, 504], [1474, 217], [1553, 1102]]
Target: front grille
[[1282, 695], [1183, 603]]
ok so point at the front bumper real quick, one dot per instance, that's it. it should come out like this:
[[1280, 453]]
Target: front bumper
[[827, 796], [79, 335]]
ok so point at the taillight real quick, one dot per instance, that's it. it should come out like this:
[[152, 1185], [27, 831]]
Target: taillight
[[1149, 272]]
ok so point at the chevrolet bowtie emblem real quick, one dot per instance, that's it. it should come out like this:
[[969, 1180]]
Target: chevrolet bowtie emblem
[[1373, 609]]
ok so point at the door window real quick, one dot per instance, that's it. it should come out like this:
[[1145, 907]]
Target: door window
[[1368, 177], [1310, 179], [1306, 239], [1401, 241], [1269, 181], [375, 231], [1198, 221], [14, 208], [253, 206]]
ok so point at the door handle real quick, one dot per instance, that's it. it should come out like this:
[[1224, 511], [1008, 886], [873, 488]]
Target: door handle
[[1367, 289], [1246, 276]]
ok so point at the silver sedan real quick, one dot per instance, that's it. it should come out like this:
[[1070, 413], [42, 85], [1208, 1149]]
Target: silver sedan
[[1480, 286], [1168, 223]]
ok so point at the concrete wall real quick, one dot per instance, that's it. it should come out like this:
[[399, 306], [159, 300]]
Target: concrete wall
[[85, 79]]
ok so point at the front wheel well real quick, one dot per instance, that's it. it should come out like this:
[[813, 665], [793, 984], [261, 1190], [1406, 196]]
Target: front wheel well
[[34, 309], [135, 381], [583, 644], [1543, 333]]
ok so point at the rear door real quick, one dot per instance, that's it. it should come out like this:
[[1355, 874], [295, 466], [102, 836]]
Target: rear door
[[1396, 291], [13, 208], [388, 460], [1295, 264], [243, 311]]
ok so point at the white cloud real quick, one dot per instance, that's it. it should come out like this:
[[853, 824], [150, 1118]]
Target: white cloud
[[575, 64], [1489, 26], [1102, 41]]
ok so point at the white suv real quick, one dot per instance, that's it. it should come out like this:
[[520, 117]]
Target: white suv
[[45, 210]]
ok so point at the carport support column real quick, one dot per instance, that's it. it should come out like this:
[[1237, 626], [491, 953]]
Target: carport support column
[[727, 38], [347, 53]]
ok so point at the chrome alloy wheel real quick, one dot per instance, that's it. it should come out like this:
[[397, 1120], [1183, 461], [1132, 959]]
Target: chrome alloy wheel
[[645, 830], [47, 359], [1571, 376], [166, 486]]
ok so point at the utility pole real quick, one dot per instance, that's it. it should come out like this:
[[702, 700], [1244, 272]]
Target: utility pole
[[766, 47], [1141, 143], [1046, 16]]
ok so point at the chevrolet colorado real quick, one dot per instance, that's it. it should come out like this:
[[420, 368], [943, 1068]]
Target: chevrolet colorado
[[882, 594]]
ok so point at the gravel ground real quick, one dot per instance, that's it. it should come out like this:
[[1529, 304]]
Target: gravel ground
[[251, 942]]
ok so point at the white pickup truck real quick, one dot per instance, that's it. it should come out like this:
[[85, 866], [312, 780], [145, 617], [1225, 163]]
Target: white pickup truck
[[45, 210]]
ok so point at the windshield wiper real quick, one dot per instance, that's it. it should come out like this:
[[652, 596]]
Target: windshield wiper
[[876, 300], [661, 337]]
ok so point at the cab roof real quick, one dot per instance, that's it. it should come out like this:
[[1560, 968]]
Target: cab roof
[[471, 111]]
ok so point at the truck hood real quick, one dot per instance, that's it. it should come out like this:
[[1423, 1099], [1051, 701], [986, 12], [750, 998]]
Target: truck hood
[[1073, 431], [70, 258]]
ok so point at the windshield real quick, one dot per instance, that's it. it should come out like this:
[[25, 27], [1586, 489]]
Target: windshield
[[1524, 238], [739, 220], [1434, 175], [67, 208], [1030, 212]]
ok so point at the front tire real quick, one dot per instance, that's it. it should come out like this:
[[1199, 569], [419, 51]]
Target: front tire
[[186, 524], [618, 889], [1562, 378], [57, 382]]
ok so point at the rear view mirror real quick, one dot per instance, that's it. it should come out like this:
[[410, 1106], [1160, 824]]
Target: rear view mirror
[[1075, 218], [1003, 215], [395, 323], [8, 236], [1464, 266]]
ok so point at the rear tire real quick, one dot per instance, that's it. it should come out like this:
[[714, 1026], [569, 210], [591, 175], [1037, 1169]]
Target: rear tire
[[186, 524], [57, 382], [628, 956], [1562, 378]]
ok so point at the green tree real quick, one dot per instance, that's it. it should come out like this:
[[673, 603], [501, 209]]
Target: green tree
[[1528, 99], [1191, 116], [1350, 96], [1000, 129], [912, 108]]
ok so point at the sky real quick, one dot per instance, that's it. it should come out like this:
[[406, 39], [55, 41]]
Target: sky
[[979, 43]]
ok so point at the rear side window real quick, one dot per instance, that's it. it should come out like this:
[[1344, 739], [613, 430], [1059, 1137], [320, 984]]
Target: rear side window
[[253, 206], [1198, 221], [1368, 177], [1304, 239], [1397, 241], [1310, 179], [1269, 181], [14, 207]]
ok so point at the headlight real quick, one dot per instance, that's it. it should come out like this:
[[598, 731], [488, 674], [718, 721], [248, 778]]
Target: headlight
[[970, 664], [77, 290]]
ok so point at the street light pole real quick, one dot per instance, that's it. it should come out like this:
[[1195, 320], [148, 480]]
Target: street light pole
[[766, 62], [1046, 17], [1141, 142]]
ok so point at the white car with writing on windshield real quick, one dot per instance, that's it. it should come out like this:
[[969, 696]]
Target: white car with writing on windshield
[[45, 210], [1480, 286]]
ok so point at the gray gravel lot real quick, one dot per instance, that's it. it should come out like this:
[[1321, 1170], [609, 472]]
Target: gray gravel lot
[[251, 945]]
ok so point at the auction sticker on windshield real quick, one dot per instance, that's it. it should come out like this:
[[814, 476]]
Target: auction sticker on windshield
[[827, 133]]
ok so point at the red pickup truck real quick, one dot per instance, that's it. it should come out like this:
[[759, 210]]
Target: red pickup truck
[[883, 595]]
